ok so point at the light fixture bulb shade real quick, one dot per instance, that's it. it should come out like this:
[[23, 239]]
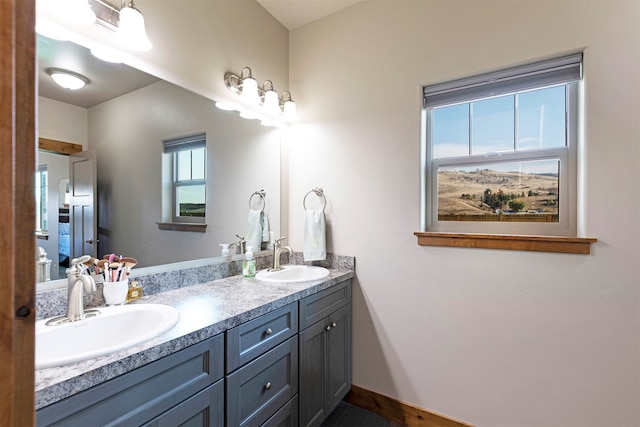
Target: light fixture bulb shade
[[250, 91], [131, 31], [271, 102], [290, 113]]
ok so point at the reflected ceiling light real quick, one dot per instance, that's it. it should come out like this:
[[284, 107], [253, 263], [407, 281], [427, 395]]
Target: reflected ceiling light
[[67, 79], [226, 106], [131, 30], [266, 97], [46, 28], [107, 54]]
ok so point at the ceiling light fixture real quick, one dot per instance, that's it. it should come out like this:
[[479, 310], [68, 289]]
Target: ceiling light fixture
[[67, 79], [265, 97]]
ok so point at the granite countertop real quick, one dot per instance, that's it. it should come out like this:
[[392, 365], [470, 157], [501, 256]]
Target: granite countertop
[[206, 310]]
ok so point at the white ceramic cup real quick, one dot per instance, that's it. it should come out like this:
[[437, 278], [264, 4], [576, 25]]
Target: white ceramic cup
[[115, 292]]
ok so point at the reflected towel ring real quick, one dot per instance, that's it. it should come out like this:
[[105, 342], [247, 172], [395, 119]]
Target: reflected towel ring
[[262, 195], [318, 192]]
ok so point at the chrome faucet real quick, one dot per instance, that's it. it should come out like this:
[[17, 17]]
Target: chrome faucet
[[277, 251], [241, 245], [78, 281]]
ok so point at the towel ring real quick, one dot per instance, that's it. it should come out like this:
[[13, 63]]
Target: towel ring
[[318, 192], [262, 194]]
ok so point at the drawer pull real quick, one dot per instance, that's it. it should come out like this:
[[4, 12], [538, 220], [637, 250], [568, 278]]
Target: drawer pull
[[268, 331], [267, 386]]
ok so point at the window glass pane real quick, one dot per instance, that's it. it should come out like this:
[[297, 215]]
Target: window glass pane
[[197, 163], [190, 200], [524, 191], [541, 118], [492, 125], [184, 165], [451, 131]]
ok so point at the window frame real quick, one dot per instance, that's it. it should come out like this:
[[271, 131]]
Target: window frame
[[568, 155]]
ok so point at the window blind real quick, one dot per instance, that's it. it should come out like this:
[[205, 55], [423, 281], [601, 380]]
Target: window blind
[[560, 70], [185, 143]]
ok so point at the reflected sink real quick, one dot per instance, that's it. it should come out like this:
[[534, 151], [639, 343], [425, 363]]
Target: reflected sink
[[115, 328], [293, 273]]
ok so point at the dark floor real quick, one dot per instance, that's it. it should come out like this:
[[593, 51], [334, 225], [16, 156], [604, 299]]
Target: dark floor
[[348, 415]]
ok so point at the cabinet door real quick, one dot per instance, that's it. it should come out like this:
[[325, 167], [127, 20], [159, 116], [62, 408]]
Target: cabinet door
[[339, 356], [314, 368], [205, 409], [325, 366]]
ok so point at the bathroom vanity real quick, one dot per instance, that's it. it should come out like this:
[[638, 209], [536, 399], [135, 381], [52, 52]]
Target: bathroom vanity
[[244, 353]]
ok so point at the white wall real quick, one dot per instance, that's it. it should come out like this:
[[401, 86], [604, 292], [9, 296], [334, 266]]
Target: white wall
[[62, 122], [495, 338], [127, 133]]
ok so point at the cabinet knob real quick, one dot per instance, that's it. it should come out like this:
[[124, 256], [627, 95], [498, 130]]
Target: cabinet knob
[[268, 331], [333, 325], [329, 328], [267, 386]]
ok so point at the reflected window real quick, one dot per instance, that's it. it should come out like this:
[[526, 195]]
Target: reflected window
[[500, 150], [42, 187], [189, 185]]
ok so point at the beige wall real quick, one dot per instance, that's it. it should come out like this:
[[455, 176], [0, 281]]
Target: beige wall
[[495, 338]]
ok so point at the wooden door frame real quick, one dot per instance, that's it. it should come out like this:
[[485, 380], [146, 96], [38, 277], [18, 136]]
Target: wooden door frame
[[17, 224]]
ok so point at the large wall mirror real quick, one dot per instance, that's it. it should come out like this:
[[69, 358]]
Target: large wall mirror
[[121, 118]]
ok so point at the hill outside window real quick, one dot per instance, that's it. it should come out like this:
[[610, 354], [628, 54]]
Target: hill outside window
[[189, 181], [499, 151]]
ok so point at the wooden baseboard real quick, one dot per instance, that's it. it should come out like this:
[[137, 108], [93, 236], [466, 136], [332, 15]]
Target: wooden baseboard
[[397, 411]]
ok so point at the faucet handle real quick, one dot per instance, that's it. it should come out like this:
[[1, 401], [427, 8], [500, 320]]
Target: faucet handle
[[276, 244]]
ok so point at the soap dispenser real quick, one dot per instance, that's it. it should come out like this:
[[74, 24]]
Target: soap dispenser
[[225, 249], [249, 263]]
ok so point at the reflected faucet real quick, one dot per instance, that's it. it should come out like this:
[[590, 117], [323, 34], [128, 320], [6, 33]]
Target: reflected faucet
[[277, 251], [241, 245]]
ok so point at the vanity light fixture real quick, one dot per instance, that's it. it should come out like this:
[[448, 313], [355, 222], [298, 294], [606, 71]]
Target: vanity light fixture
[[67, 79], [289, 111], [265, 97], [131, 30]]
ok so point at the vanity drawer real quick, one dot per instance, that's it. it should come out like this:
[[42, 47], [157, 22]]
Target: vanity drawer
[[259, 389], [318, 306], [287, 416], [144, 393], [249, 340]]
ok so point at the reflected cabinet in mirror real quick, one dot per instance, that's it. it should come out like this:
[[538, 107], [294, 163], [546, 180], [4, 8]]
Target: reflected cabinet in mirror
[[124, 134]]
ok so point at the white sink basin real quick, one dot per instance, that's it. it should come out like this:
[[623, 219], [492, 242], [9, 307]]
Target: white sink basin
[[115, 328], [293, 273]]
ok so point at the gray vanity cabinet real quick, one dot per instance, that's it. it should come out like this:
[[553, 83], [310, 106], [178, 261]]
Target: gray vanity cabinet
[[262, 368], [179, 389], [325, 352]]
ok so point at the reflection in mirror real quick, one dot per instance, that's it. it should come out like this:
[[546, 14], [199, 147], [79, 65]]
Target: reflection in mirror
[[125, 133]]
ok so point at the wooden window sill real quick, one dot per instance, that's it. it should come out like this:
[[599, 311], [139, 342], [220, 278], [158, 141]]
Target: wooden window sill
[[569, 245], [182, 226]]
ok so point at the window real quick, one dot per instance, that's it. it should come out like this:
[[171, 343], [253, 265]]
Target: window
[[188, 178], [499, 151]]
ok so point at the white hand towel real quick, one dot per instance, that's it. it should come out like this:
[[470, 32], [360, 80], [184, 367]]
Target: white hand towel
[[265, 227], [253, 236], [315, 238]]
